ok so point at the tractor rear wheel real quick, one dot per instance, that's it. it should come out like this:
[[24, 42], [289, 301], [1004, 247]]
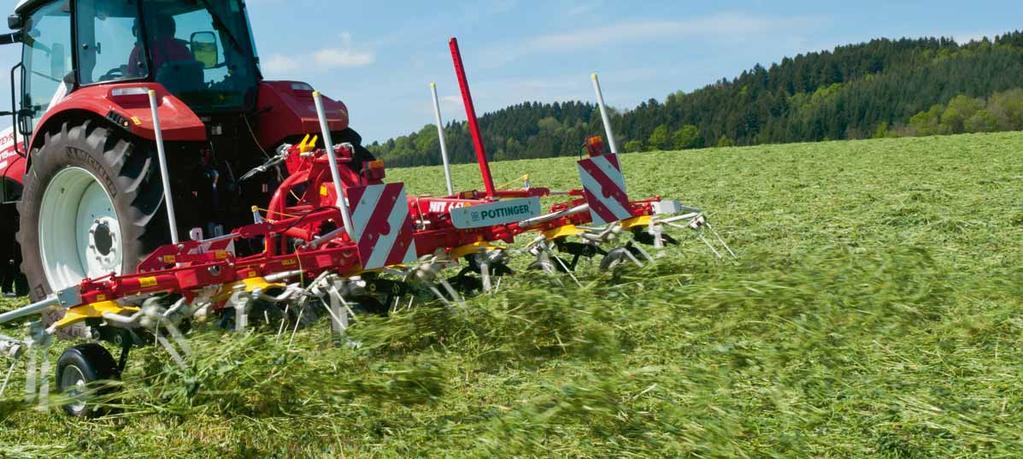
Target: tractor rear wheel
[[90, 207]]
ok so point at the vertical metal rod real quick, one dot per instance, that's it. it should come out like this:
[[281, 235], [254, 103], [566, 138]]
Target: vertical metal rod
[[335, 174], [161, 154], [470, 113], [604, 115], [440, 136]]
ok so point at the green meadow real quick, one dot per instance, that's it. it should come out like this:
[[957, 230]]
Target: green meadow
[[875, 310]]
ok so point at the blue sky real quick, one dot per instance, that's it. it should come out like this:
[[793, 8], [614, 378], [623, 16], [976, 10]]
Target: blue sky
[[379, 57]]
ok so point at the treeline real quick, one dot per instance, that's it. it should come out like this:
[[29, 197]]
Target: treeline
[[881, 88], [1003, 111], [528, 130]]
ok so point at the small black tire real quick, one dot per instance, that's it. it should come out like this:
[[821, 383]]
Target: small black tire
[[126, 169], [84, 375], [618, 257]]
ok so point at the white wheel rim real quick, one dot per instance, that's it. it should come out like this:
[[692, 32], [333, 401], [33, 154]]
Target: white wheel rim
[[79, 234], [74, 388]]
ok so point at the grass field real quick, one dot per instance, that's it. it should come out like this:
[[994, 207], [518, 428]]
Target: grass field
[[875, 311]]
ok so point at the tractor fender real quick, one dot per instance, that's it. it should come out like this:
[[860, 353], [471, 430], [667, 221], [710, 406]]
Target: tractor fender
[[12, 167], [126, 105], [286, 110]]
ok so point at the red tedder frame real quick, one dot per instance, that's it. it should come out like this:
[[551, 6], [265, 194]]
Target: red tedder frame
[[470, 113]]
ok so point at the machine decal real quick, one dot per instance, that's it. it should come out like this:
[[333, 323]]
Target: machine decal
[[496, 213], [604, 188], [383, 225]]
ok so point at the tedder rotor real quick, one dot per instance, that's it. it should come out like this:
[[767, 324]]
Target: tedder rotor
[[139, 121]]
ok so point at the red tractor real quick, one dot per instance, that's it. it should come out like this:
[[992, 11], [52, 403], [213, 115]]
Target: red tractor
[[81, 188]]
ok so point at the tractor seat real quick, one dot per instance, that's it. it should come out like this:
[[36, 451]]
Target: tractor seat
[[181, 77]]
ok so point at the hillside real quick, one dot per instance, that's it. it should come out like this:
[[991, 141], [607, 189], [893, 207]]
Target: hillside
[[876, 89], [874, 312]]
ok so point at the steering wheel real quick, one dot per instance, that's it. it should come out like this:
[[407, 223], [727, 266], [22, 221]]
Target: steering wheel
[[115, 73]]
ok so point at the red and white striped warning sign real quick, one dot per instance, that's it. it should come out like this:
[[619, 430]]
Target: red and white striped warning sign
[[604, 189], [382, 225]]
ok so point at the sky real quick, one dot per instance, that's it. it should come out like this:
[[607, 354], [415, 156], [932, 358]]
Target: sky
[[379, 57]]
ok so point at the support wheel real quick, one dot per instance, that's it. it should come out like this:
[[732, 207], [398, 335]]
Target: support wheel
[[84, 374]]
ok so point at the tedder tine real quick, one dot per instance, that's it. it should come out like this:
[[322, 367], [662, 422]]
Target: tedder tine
[[721, 240], [30, 374], [173, 352], [44, 377], [37, 383], [7, 377]]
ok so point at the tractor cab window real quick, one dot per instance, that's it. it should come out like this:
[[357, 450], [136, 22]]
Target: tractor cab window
[[109, 41], [201, 52], [47, 59]]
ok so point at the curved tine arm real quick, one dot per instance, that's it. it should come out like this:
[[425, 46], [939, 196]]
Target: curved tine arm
[[676, 218], [10, 346], [124, 320], [258, 294], [292, 291], [590, 237], [554, 216], [175, 309]]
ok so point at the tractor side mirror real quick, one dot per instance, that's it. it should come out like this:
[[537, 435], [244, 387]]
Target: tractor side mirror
[[58, 66], [14, 22], [205, 49]]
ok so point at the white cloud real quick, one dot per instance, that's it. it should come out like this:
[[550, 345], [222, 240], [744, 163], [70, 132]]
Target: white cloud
[[581, 9], [343, 56], [732, 26], [278, 63], [334, 58], [451, 101]]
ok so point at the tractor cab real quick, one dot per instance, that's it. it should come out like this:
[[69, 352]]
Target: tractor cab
[[201, 51]]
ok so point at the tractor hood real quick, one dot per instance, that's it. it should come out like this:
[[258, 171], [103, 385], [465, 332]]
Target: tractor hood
[[286, 110]]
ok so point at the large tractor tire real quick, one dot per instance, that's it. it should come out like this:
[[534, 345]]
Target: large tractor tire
[[91, 206]]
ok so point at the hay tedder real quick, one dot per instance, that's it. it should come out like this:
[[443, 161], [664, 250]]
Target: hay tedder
[[136, 120]]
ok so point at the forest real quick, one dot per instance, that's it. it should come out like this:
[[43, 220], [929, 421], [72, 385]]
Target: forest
[[883, 88]]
